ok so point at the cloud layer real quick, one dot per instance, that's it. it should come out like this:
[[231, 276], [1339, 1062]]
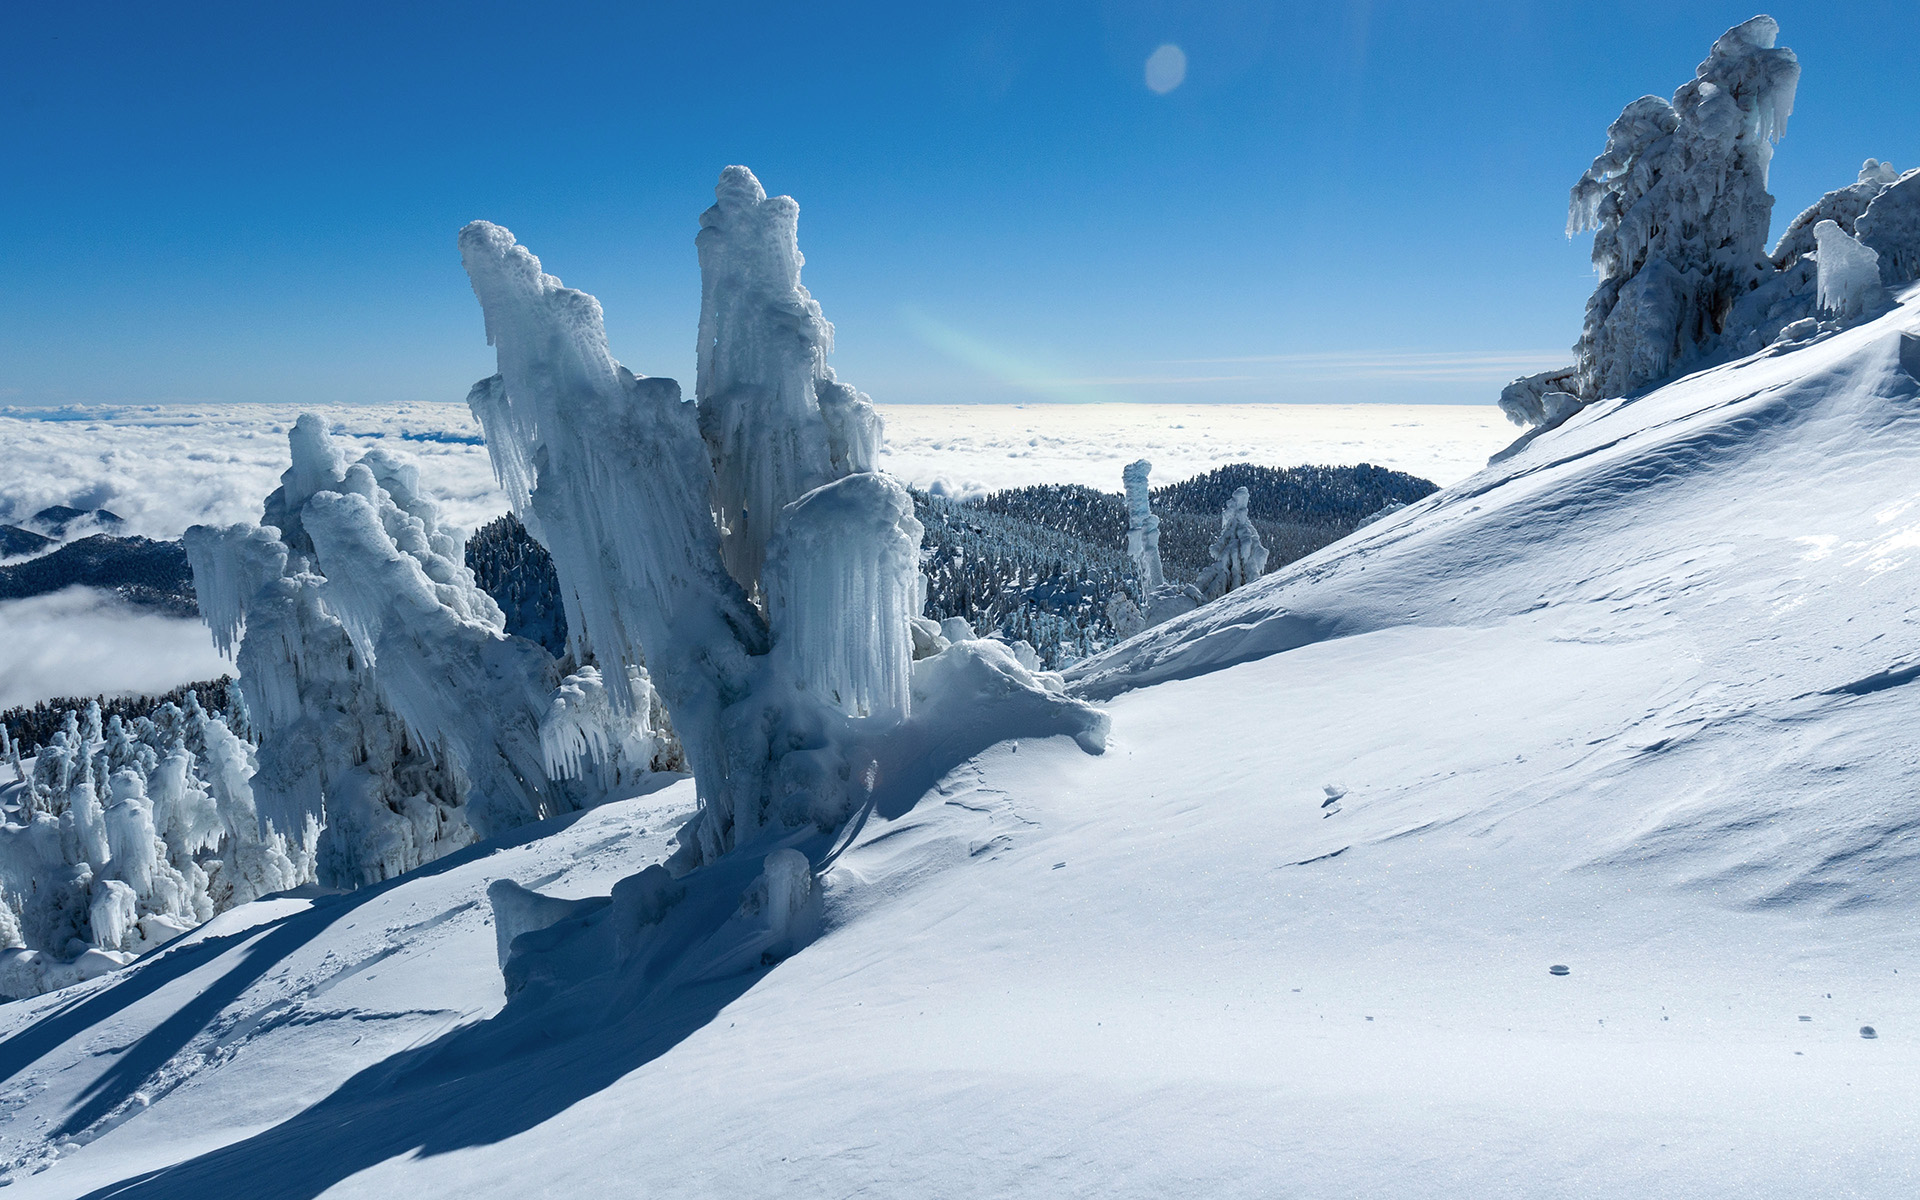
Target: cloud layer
[[86, 642]]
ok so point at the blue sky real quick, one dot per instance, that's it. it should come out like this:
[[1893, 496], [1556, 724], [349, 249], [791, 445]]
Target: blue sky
[[1339, 202]]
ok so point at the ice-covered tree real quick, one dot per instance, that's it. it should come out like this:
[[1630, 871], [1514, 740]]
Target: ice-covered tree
[[129, 834], [1679, 206], [1239, 557], [1680, 211], [738, 548], [389, 704], [1160, 600], [1143, 528]]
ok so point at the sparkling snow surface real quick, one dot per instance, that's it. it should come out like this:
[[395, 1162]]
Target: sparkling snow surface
[[1638, 702], [165, 468]]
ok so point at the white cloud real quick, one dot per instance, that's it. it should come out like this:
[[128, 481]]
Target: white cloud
[[86, 642], [165, 467]]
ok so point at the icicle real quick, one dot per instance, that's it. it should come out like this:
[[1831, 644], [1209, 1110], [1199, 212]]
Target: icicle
[[843, 588]]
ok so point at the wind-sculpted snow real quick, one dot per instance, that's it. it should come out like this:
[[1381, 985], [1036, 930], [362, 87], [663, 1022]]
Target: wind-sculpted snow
[[1613, 530]]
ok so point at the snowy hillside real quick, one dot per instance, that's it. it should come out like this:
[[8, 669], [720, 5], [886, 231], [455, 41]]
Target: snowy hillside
[[1636, 702]]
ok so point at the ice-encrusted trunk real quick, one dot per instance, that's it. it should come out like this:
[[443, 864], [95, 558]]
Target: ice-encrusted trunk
[[776, 421], [1239, 556], [1143, 528], [660, 515], [1159, 600], [608, 471]]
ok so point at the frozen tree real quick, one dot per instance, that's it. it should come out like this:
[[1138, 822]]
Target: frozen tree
[[1163, 601], [609, 472], [1849, 274], [1125, 616], [739, 550], [1679, 206], [1239, 557], [131, 834], [390, 705], [776, 420], [1143, 528]]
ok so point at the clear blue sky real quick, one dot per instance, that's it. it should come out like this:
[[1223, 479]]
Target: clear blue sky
[[1341, 201]]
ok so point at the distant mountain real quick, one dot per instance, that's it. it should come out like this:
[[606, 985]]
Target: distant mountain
[[15, 541], [57, 520], [142, 571]]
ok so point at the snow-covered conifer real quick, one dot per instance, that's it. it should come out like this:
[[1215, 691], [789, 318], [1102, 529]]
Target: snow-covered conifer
[[1239, 557]]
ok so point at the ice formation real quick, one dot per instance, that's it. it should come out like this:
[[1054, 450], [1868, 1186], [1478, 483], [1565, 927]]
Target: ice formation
[[1161, 600], [1849, 274], [739, 555], [1143, 528], [844, 588], [390, 707], [129, 834], [1679, 207], [1680, 211], [1239, 557], [608, 471], [777, 421]]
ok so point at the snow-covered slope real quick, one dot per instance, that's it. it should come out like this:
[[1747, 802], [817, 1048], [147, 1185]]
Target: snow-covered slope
[[1639, 702]]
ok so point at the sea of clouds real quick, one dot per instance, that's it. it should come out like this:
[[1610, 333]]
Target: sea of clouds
[[166, 467]]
